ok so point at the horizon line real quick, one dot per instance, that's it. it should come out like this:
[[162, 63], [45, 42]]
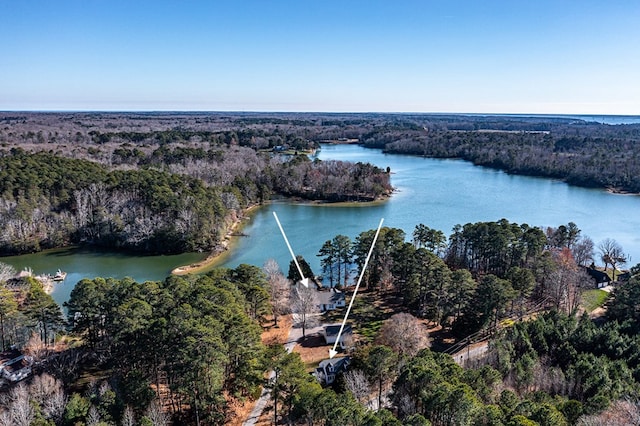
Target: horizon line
[[209, 111]]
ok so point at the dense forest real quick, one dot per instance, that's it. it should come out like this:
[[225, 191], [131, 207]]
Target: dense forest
[[489, 280], [481, 273], [51, 201], [157, 191], [187, 350], [582, 153], [194, 340]]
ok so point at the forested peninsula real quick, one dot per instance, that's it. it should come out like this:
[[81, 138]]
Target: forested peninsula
[[153, 187], [584, 154]]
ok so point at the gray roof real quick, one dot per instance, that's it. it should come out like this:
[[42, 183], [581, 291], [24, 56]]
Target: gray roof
[[330, 297], [334, 329], [337, 363]]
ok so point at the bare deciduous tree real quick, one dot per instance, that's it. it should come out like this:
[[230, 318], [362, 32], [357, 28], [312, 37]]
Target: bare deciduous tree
[[279, 289], [271, 269], [157, 416], [405, 334], [611, 254], [619, 413], [104, 388], [6, 272], [19, 408], [53, 407], [583, 251], [36, 347], [566, 282], [5, 418], [93, 416], [48, 392], [42, 386], [356, 382], [304, 305], [128, 417]]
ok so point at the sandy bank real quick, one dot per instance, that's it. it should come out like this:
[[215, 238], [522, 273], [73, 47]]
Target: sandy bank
[[216, 254]]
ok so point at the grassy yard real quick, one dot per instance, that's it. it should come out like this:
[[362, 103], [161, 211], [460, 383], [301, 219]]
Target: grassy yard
[[369, 311], [593, 299]]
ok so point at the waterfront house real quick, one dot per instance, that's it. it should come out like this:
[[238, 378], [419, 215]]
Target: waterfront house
[[15, 366], [600, 278], [328, 300], [328, 369]]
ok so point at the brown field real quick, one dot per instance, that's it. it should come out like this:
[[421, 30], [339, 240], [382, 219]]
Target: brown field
[[312, 351]]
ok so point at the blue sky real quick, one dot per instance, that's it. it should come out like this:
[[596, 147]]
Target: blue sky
[[483, 56]]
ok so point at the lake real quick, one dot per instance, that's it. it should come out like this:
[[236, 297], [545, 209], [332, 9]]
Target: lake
[[440, 194], [437, 193], [82, 263]]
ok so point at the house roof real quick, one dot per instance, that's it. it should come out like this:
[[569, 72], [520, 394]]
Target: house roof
[[599, 276], [334, 329], [330, 297], [9, 355], [336, 363], [16, 364], [624, 276]]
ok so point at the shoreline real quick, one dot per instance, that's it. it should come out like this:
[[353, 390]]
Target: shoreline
[[352, 203], [217, 255], [223, 247], [516, 172], [617, 191]]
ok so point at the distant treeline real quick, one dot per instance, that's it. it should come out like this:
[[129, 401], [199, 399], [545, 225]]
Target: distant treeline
[[578, 160], [582, 153]]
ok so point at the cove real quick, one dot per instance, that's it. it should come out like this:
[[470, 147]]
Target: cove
[[439, 193], [82, 263]]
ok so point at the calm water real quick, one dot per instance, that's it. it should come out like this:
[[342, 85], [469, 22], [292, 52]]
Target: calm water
[[604, 119], [83, 263], [437, 193], [608, 119]]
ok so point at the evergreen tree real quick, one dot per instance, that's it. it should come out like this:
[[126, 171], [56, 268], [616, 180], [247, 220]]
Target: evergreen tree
[[294, 274], [42, 311]]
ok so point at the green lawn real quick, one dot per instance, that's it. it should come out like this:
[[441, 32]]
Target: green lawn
[[592, 299], [367, 315]]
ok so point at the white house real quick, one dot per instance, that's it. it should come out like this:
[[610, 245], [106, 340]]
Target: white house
[[330, 333], [328, 369], [328, 300]]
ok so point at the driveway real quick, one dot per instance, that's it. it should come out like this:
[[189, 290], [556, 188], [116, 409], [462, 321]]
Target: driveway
[[295, 335]]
